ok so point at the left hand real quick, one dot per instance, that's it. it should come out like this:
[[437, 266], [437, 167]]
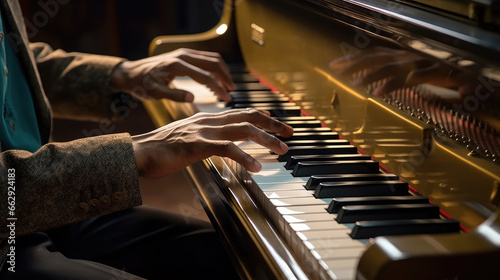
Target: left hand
[[150, 77]]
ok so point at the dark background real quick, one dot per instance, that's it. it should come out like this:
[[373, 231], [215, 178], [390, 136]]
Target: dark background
[[115, 27]]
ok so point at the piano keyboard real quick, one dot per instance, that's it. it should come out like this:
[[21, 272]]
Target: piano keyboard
[[324, 197]]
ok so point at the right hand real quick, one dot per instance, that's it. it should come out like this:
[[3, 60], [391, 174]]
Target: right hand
[[171, 148]]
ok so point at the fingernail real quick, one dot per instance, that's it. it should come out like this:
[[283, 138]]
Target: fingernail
[[283, 147], [189, 98], [257, 166]]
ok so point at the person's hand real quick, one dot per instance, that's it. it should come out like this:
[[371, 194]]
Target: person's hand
[[150, 77], [400, 68], [172, 147]]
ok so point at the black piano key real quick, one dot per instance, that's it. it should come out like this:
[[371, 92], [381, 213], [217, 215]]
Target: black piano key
[[307, 150], [295, 124], [258, 97], [355, 213], [360, 188], [370, 229], [250, 86], [315, 180], [299, 130], [308, 168], [251, 101], [256, 105], [242, 77], [312, 136], [313, 130], [290, 164], [277, 111], [294, 143], [338, 202], [299, 118], [237, 68], [255, 94]]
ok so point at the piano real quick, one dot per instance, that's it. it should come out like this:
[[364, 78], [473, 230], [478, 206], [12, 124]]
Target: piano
[[393, 171]]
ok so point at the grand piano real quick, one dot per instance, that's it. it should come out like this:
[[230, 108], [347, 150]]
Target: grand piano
[[393, 171]]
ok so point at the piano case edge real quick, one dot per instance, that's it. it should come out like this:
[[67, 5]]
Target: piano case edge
[[252, 242]]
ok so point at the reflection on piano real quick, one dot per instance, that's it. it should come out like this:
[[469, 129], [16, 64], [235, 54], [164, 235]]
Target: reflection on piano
[[393, 171]]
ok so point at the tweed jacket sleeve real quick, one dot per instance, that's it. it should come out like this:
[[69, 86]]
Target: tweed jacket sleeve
[[77, 84], [63, 183]]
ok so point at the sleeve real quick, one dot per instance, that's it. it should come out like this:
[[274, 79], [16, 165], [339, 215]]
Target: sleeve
[[63, 183], [77, 84]]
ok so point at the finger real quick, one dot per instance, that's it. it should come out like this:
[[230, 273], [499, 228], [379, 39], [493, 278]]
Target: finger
[[213, 55], [182, 68], [249, 132], [253, 116], [211, 62], [160, 91], [230, 150]]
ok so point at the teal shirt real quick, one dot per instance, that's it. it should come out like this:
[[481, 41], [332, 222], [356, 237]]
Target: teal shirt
[[18, 123]]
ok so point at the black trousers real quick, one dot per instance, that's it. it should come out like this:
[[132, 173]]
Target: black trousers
[[133, 244]]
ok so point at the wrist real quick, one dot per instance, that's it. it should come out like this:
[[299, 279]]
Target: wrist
[[138, 153], [120, 76]]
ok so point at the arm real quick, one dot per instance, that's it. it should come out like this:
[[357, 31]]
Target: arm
[[63, 183], [76, 84], [86, 86]]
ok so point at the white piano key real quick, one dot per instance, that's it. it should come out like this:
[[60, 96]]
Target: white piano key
[[278, 191], [270, 173], [344, 274], [347, 273], [298, 201], [338, 264], [295, 230], [275, 165], [305, 248], [264, 178], [333, 243], [338, 253], [287, 193], [265, 158], [264, 197], [285, 222], [308, 209], [304, 218], [270, 187], [342, 232]]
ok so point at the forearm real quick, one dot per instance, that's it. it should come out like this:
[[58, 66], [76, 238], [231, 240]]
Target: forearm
[[77, 84], [68, 182]]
